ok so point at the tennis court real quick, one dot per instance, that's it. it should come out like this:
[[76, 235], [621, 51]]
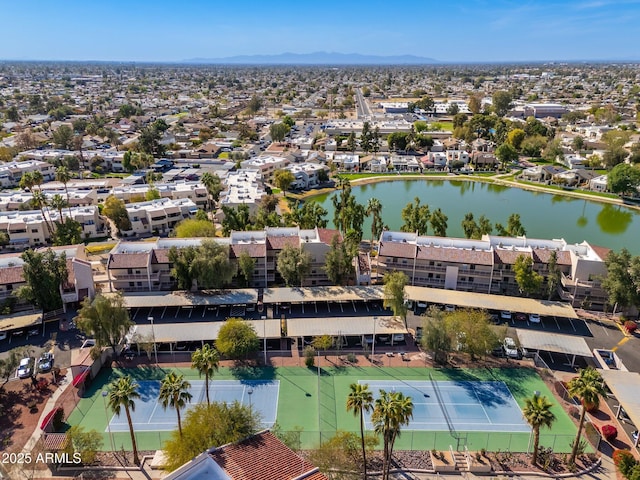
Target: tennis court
[[150, 416], [455, 405]]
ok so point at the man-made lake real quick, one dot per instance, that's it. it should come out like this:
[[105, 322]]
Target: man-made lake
[[543, 215]]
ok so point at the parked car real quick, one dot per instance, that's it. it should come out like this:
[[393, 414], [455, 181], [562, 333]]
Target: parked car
[[534, 318], [25, 369], [505, 315], [3, 335], [521, 317], [45, 362], [510, 348], [449, 308], [419, 333], [498, 352], [398, 338]]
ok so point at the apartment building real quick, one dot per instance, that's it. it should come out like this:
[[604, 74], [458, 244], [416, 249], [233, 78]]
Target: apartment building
[[139, 266], [306, 175], [266, 165], [78, 285], [243, 187], [11, 172], [486, 265], [158, 216], [30, 229], [194, 191]]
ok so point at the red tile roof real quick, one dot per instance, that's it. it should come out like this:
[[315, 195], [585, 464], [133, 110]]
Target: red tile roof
[[255, 250], [278, 243], [455, 255], [602, 252], [160, 255], [543, 256], [326, 235], [11, 275], [396, 249], [263, 457], [508, 257], [129, 260]]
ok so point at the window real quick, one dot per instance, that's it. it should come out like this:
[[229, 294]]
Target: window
[[431, 264], [472, 267], [129, 271], [430, 275], [34, 230], [505, 279]]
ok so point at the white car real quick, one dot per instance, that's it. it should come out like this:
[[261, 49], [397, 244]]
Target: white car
[[3, 335], [25, 368], [534, 318], [505, 315], [510, 348]]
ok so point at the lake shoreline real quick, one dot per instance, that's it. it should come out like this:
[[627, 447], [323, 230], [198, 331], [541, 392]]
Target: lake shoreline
[[469, 178]]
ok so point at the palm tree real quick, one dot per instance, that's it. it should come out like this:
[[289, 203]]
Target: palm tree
[[588, 386], [391, 412], [206, 361], [174, 392], [63, 175], [374, 209], [213, 185], [59, 203], [537, 412], [26, 181], [122, 393], [360, 400], [39, 201]]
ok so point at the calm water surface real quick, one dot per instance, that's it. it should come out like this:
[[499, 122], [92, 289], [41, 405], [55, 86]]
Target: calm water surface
[[543, 215]]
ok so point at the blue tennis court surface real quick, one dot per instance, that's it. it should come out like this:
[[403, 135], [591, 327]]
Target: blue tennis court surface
[[464, 406], [149, 415]]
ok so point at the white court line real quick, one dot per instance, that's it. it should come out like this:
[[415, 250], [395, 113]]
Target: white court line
[[152, 412], [484, 410]]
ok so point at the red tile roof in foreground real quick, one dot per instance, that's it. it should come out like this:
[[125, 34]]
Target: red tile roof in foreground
[[263, 457]]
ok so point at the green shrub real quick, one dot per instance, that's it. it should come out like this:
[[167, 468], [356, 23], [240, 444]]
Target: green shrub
[[309, 356]]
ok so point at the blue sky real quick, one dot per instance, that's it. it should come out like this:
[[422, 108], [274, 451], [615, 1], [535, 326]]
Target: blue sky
[[447, 30]]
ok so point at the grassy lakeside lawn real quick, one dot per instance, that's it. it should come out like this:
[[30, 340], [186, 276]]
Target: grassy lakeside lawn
[[317, 413]]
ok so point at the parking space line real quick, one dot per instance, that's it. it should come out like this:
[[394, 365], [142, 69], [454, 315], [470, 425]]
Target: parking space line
[[190, 312], [302, 307], [316, 305], [574, 327], [542, 323], [163, 312], [204, 310], [177, 311], [367, 306], [557, 324], [136, 313], [341, 307], [329, 307], [606, 330]]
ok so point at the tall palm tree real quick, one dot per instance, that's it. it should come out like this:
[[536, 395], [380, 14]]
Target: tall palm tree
[[206, 360], [26, 181], [174, 392], [588, 387], [39, 201], [213, 185], [390, 413], [59, 203], [360, 400], [537, 412], [374, 209], [122, 394], [63, 175]]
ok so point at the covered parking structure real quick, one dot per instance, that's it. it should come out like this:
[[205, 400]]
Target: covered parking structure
[[490, 302], [569, 345], [625, 387], [343, 327], [203, 332], [206, 298]]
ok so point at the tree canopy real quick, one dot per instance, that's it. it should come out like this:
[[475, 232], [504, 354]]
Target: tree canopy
[[104, 318], [44, 273], [115, 210], [293, 265], [622, 281], [529, 281], [204, 266], [237, 339], [207, 426], [394, 283], [338, 262], [415, 217], [624, 179]]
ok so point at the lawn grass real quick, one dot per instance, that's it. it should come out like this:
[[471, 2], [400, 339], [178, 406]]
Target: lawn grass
[[315, 405]]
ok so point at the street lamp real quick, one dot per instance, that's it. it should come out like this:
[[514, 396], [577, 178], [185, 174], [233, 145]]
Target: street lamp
[[373, 345], [106, 415], [153, 334], [250, 392]]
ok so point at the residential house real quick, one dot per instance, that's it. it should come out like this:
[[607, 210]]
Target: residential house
[[598, 184]]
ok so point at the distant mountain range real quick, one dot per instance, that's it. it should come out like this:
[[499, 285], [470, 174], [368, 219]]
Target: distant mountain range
[[316, 58]]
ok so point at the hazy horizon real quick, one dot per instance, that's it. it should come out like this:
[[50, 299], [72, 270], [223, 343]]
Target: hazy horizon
[[472, 31]]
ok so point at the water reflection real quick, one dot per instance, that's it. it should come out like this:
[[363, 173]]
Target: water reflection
[[613, 219]]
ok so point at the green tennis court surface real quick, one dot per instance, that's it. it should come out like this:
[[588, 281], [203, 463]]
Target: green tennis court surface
[[314, 405]]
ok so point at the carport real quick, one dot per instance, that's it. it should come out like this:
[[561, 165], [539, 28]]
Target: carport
[[490, 302], [315, 295], [569, 345], [198, 332], [187, 299], [625, 386], [344, 326]]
